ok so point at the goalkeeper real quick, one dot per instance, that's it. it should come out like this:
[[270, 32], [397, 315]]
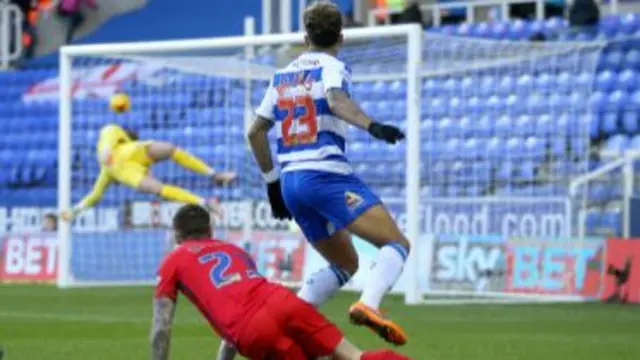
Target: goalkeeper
[[125, 159]]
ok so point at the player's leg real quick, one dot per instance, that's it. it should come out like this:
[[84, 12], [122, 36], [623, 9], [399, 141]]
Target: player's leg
[[349, 204], [336, 248], [304, 324], [264, 338], [134, 175], [378, 227], [347, 351], [160, 151], [339, 251]]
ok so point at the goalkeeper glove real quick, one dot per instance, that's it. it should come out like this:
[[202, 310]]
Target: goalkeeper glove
[[278, 208], [388, 133]]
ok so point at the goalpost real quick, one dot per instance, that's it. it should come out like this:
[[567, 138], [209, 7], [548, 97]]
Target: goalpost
[[468, 107]]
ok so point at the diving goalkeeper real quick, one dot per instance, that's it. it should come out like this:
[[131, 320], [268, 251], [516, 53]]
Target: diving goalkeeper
[[125, 159]]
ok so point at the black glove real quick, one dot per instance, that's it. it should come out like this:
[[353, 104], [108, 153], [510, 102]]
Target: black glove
[[388, 133], [278, 208]]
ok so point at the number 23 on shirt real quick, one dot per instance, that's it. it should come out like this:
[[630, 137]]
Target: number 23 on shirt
[[300, 125]]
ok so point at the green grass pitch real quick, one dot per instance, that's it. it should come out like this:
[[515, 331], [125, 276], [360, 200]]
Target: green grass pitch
[[44, 323]]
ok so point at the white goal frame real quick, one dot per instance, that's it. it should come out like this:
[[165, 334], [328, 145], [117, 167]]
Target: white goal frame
[[414, 36]]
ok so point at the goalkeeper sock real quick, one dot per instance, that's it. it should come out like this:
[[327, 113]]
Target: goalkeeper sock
[[175, 193], [191, 162], [322, 284], [385, 273]]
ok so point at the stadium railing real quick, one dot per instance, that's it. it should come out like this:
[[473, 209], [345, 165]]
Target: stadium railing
[[471, 7], [583, 198], [10, 33]]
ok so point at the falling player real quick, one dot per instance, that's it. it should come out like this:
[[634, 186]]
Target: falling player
[[126, 160], [262, 320], [309, 103]]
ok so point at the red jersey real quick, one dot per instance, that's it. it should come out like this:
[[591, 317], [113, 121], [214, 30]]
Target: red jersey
[[220, 279]]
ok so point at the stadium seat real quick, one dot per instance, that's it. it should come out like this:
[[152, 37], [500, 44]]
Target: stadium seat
[[605, 81], [611, 221], [616, 144], [632, 60], [598, 101], [628, 80], [610, 123], [635, 143]]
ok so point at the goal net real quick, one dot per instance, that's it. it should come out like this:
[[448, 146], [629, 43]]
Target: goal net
[[495, 130]]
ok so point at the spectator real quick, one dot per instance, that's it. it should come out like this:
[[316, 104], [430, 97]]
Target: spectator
[[411, 14], [584, 13], [538, 37], [27, 8], [50, 222], [527, 11], [71, 10], [349, 21]]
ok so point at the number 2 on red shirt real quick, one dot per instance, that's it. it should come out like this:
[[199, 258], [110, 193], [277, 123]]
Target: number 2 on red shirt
[[302, 129], [220, 274]]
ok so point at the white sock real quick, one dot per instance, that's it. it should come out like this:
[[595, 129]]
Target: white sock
[[322, 284], [385, 273]]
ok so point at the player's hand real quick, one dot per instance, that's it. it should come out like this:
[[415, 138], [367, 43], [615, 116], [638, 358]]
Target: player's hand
[[387, 133], [278, 208], [213, 205], [66, 215], [224, 178]]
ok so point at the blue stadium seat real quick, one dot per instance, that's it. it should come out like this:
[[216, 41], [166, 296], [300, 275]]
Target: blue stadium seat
[[544, 125], [527, 171], [609, 122], [524, 125], [506, 171], [617, 100], [629, 23], [628, 80], [605, 81], [593, 221], [611, 60], [612, 221], [518, 30], [616, 144], [534, 147], [564, 83], [630, 122], [506, 85], [632, 60], [598, 101], [634, 104], [635, 143]]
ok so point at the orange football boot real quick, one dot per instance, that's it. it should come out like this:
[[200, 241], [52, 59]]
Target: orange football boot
[[362, 315]]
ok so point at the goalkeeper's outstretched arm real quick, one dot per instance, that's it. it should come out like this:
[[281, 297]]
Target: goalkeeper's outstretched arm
[[160, 338], [346, 109], [90, 199]]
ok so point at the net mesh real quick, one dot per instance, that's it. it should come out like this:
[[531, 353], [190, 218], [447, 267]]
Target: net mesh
[[200, 101], [504, 127]]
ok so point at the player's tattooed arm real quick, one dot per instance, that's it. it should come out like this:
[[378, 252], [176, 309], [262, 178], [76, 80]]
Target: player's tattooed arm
[[226, 351], [163, 310], [259, 142], [346, 109]]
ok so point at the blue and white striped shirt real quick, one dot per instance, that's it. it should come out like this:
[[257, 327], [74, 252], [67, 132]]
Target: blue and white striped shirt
[[309, 136]]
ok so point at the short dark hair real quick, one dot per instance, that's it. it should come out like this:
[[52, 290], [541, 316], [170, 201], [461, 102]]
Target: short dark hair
[[192, 221], [323, 24]]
